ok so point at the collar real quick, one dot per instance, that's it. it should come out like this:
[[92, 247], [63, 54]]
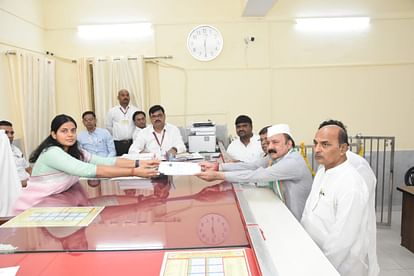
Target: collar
[[163, 129], [280, 158], [337, 168]]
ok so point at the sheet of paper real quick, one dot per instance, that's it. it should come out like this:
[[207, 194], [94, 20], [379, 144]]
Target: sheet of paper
[[231, 262], [139, 156], [179, 168], [9, 271], [55, 217]]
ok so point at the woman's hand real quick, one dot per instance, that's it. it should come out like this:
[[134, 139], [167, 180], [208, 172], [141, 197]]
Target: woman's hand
[[145, 172]]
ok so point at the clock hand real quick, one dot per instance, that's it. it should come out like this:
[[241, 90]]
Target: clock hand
[[205, 47], [212, 225]]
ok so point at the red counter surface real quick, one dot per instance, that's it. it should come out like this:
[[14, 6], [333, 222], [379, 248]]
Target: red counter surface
[[140, 220]]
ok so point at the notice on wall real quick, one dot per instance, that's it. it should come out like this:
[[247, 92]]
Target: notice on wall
[[231, 262]]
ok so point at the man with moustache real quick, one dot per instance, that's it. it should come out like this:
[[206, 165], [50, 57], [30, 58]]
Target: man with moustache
[[283, 167], [247, 147], [338, 213], [120, 124], [160, 138]]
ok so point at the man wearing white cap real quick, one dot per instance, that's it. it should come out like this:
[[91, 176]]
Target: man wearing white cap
[[283, 166]]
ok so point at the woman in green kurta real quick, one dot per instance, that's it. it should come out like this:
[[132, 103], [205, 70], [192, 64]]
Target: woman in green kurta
[[59, 163]]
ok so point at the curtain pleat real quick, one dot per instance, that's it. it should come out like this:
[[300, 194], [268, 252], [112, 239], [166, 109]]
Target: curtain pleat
[[33, 87]]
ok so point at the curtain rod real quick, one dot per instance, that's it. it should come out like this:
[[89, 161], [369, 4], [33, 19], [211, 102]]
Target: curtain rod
[[133, 58], [47, 53]]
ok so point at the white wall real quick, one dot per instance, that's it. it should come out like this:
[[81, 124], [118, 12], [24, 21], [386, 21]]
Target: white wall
[[364, 79], [21, 25]]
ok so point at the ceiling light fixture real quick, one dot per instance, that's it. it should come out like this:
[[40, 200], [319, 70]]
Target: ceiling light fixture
[[332, 23]]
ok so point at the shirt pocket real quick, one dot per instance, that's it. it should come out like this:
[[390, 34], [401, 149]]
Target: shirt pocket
[[324, 210]]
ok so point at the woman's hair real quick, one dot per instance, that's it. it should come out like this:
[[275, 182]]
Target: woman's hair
[[57, 122]]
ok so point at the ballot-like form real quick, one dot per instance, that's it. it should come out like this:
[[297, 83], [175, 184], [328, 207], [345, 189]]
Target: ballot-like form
[[55, 217], [179, 168]]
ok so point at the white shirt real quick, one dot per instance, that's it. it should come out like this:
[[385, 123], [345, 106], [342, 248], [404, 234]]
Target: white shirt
[[364, 169], [21, 163], [336, 218], [137, 131], [119, 122], [250, 153], [169, 137], [10, 185]]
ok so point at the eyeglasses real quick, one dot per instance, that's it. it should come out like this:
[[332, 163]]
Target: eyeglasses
[[9, 132]]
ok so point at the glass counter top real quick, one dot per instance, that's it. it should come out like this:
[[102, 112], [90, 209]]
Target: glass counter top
[[182, 212]]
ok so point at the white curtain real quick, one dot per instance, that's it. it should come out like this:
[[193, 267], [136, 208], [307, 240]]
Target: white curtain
[[83, 74], [32, 80], [113, 74]]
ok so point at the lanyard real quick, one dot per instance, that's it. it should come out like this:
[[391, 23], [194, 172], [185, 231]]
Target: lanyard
[[156, 138], [122, 110]]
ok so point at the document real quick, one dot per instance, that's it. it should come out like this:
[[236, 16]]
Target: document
[[54, 217], [208, 262], [179, 168]]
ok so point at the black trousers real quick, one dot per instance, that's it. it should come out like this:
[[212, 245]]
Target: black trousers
[[122, 146]]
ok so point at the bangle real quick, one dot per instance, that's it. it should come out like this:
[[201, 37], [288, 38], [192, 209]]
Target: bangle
[[136, 163]]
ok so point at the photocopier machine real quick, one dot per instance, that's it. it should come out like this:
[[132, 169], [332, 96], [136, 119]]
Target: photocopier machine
[[202, 137]]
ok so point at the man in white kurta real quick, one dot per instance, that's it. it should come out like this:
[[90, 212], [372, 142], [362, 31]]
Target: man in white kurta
[[23, 167], [247, 147], [10, 186], [159, 138], [120, 124], [336, 213], [364, 169]]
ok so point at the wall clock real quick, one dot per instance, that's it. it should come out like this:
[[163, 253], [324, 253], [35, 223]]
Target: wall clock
[[204, 42], [213, 229]]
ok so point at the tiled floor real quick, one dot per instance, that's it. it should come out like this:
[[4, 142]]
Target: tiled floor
[[394, 260]]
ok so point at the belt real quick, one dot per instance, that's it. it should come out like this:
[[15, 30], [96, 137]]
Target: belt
[[124, 141]]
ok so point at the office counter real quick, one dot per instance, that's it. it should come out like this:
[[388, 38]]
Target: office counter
[[142, 219], [290, 248]]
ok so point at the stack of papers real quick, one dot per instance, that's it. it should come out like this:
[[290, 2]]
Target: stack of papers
[[188, 156]]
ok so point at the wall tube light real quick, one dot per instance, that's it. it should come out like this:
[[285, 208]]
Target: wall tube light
[[114, 31], [333, 24]]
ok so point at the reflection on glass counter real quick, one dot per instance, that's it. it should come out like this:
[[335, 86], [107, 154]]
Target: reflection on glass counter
[[162, 213]]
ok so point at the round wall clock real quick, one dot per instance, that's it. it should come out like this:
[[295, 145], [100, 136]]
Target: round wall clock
[[204, 42], [213, 229]]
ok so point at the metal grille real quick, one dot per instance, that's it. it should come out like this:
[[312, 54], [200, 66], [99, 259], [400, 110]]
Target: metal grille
[[379, 152]]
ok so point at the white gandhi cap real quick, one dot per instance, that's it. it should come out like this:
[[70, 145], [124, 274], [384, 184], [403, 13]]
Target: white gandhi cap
[[279, 129]]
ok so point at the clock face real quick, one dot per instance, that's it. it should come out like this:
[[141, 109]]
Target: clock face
[[204, 42], [213, 229]]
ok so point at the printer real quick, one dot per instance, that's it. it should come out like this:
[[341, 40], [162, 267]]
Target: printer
[[202, 137]]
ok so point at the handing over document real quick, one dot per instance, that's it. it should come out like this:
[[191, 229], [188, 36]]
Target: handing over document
[[179, 168]]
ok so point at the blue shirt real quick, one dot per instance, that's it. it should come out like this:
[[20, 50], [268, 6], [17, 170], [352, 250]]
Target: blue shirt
[[98, 142]]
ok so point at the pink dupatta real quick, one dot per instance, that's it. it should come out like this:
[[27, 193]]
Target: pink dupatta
[[40, 187]]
